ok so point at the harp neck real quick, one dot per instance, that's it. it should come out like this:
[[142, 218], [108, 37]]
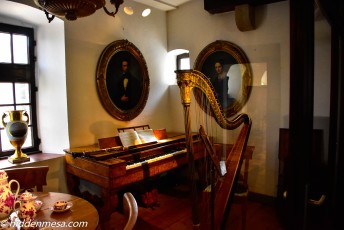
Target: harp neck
[[189, 79]]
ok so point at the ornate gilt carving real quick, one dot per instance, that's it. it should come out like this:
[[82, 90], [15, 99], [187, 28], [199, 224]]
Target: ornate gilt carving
[[189, 79]]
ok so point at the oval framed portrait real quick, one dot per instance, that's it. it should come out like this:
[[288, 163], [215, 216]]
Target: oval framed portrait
[[230, 73], [122, 80]]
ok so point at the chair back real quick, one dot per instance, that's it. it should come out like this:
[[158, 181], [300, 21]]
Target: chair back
[[29, 178], [130, 210]]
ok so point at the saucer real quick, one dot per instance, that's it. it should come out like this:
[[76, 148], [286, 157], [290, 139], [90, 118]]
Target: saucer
[[69, 205]]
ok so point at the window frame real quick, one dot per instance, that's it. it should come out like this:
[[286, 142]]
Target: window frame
[[179, 59], [22, 73]]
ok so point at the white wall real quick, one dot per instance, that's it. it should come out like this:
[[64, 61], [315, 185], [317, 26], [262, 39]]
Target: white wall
[[85, 40], [52, 94]]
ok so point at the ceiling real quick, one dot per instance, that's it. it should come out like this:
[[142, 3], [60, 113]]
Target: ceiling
[[13, 10], [20, 12], [164, 5]]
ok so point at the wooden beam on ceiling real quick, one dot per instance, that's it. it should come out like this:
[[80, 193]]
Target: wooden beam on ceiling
[[221, 6]]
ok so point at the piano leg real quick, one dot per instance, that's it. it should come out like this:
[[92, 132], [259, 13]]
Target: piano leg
[[106, 204], [73, 183], [110, 205]]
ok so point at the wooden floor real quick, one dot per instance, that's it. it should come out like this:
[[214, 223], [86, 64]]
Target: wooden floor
[[174, 213], [259, 217]]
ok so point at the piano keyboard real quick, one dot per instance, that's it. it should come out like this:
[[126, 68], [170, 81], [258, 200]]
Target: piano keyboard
[[155, 159]]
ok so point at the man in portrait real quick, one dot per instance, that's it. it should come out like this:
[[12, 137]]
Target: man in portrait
[[127, 89]]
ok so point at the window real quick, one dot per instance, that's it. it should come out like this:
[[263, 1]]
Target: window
[[17, 82], [183, 61]]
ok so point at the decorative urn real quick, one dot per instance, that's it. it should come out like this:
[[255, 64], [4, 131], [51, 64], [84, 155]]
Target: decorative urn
[[7, 198], [16, 129]]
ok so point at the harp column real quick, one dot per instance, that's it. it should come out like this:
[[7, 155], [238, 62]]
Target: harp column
[[186, 86]]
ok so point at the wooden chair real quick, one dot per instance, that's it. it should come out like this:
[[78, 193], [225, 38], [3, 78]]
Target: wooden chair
[[130, 210], [125, 219], [29, 178]]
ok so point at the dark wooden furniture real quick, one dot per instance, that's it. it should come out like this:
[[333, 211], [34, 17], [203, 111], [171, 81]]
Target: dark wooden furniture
[[115, 169], [317, 182], [240, 188], [223, 191], [224, 200], [301, 112], [317, 185], [29, 177], [220, 6]]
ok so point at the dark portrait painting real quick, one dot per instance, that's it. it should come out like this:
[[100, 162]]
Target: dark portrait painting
[[122, 80], [229, 72], [208, 66], [217, 67]]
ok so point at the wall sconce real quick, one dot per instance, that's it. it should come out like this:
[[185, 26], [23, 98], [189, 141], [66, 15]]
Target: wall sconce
[[73, 9]]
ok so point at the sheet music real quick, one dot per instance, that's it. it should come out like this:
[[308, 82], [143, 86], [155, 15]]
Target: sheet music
[[129, 138], [146, 135]]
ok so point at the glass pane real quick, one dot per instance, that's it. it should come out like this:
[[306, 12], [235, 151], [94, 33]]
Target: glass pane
[[4, 109], [27, 109], [6, 93], [5, 47], [5, 143], [20, 49], [22, 93], [185, 63], [28, 142]]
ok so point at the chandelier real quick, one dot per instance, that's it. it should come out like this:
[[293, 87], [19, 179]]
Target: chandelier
[[73, 9]]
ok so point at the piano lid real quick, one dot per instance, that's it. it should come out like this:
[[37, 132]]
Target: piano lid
[[94, 151]]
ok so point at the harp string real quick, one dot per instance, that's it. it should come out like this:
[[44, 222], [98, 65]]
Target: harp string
[[187, 80], [203, 117]]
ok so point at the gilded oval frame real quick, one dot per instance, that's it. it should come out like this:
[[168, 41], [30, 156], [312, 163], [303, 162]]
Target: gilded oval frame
[[237, 60], [108, 72]]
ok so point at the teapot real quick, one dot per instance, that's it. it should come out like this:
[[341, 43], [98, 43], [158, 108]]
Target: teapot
[[27, 210], [7, 198]]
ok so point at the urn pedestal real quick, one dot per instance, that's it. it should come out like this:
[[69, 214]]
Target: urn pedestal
[[16, 130]]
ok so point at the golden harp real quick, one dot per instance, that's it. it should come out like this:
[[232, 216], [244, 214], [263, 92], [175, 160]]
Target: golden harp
[[220, 192]]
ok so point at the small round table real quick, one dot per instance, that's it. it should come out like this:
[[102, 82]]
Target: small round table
[[81, 214]]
